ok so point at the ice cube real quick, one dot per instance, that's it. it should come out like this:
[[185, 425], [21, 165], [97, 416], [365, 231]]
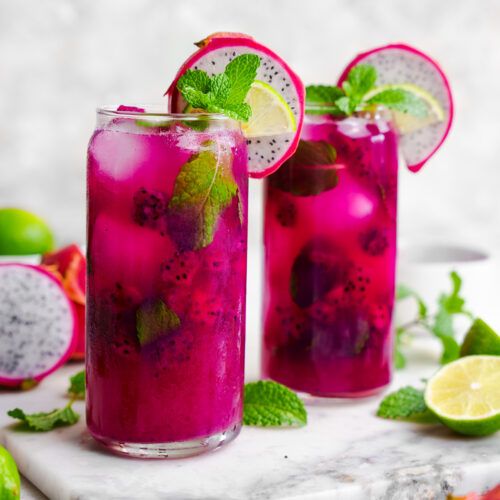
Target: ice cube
[[119, 154]]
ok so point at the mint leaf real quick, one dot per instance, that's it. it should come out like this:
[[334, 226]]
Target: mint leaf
[[241, 72], [155, 320], [345, 105], [406, 403], [360, 80], [323, 94], [309, 171], [77, 385], [400, 100], [222, 93], [204, 188], [42, 422], [269, 404], [194, 79], [404, 292]]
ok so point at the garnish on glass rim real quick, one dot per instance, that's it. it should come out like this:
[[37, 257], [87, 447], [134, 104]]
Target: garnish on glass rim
[[224, 92], [360, 93]]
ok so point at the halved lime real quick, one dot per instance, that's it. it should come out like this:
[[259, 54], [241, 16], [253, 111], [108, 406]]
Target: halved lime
[[465, 395], [480, 339], [271, 115], [10, 483], [23, 233], [405, 122]]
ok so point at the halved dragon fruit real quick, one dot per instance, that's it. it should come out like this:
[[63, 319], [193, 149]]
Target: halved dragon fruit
[[37, 324], [69, 265], [267, 152], [401, 64]]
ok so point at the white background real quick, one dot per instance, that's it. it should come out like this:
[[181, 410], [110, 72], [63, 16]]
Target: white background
[[59, 58]]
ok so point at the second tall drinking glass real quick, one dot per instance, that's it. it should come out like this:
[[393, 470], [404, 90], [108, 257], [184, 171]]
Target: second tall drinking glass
[[167, 246], [330, 250]]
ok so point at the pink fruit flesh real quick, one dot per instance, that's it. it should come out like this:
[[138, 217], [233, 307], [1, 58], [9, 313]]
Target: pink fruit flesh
[[69, 263], [56, 343], [427, 74], [220, 48]]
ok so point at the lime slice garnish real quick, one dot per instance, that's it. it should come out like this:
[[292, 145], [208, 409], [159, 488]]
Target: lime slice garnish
[[480, 339], [465, 395], [271, 115], [405, 122], [23, 233]]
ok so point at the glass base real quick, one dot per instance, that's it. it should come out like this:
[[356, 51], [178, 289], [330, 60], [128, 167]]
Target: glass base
[[177, 449], [319, 399]]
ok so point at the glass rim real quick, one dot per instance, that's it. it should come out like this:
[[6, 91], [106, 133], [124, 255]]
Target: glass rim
[[112, 110]]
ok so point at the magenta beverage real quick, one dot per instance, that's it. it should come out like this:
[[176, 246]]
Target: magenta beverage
[[167, 245], [330, 250]]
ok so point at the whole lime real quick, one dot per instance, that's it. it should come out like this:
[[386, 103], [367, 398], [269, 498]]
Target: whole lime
[[10, 483], [23, 233]]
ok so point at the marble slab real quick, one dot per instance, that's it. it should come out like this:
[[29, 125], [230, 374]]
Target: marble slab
[[344, 452]]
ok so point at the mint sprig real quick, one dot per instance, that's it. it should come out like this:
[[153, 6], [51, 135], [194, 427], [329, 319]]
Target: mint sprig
[[224, 92], [406, 403], [359, 93], [440, 323], [269, 404], [43, 422], [76, 388], [203, 189]]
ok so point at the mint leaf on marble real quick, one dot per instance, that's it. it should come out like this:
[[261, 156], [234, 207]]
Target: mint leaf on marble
[[269, 404], [406, 403], [155, 320], [203, 189], [77, 385], [43, 422], [224, 92], [309, 172]]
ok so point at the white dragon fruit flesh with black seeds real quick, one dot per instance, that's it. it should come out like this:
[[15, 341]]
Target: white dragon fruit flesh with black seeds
[[37, 324], [267, 153], [402, 64]]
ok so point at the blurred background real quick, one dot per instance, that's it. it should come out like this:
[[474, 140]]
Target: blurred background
[[60, 58]]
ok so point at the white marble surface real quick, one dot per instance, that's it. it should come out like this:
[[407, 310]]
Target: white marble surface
[[345, 452]]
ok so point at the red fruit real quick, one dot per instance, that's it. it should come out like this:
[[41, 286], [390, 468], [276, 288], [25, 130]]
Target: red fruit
[[69, 264]]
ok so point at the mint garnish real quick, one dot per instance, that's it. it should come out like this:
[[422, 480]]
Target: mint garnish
[[309, 171], [440, 323], [406, 403], [203, 189], [222, 93], [352, 96], [155, 320], [42, 422], [269, 404], [77, 385]]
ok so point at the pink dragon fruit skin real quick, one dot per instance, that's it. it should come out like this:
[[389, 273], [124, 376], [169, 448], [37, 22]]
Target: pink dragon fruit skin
[[43, 303], [236, 44], [396, 56]]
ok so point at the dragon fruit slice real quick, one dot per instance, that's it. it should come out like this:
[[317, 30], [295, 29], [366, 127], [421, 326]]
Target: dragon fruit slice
[[399, 64], [267, 153], [37, 324], [69, 265]]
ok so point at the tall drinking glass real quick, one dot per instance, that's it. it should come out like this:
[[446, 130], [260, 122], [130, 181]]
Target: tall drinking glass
[[330, 251], [167, 246]]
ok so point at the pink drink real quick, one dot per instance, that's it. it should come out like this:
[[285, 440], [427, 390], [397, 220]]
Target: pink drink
[[166, 282], [330, 245]]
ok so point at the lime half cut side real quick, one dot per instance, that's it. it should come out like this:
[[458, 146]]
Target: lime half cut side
[[271, 115], [465, 395], [406, 123]]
